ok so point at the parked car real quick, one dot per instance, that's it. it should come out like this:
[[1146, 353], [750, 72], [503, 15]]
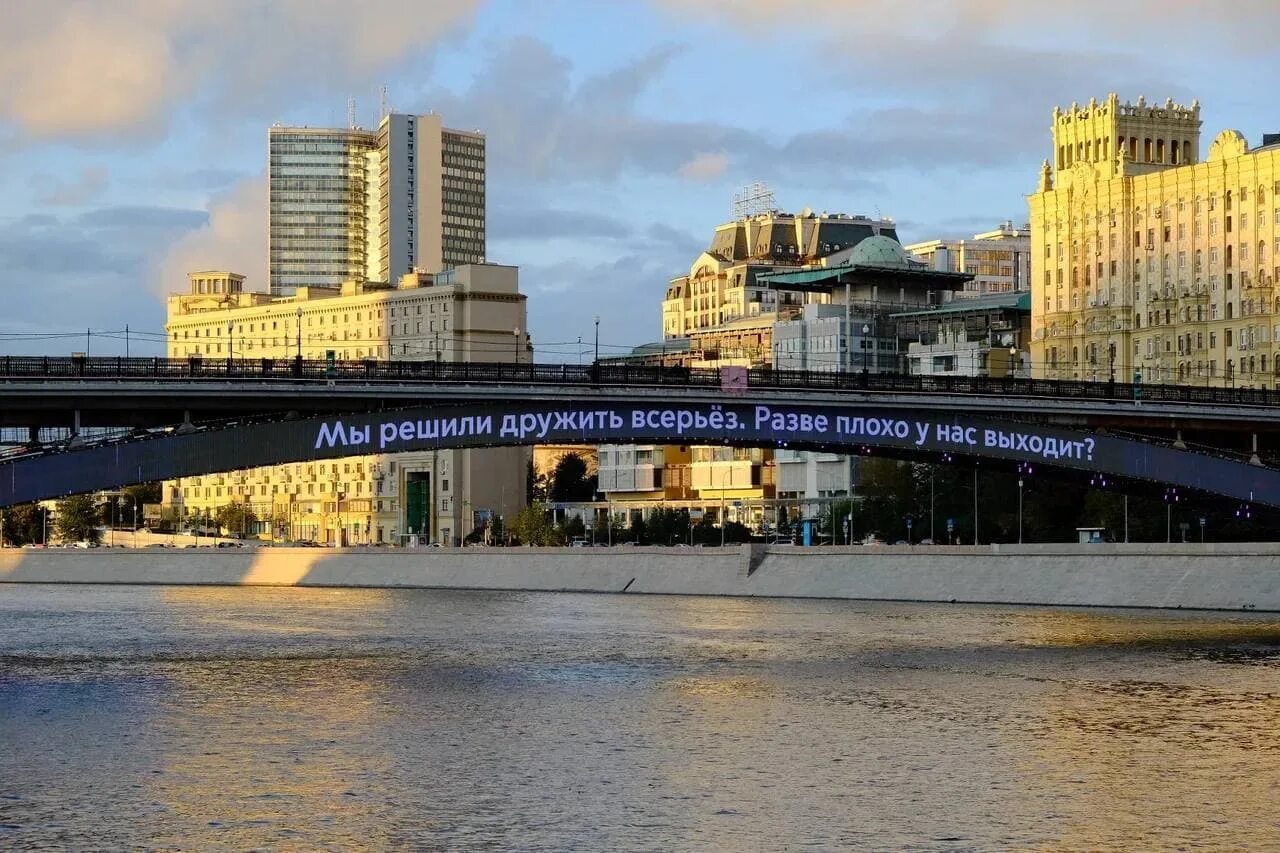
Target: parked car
[[580, 542]]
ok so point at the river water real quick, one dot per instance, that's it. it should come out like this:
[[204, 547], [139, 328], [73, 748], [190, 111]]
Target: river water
[[189, 718]]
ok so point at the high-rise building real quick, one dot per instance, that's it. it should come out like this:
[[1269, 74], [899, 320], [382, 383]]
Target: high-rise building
[[999, 260], [472, 313], [1148, 264], [354, 204], [317, 205]]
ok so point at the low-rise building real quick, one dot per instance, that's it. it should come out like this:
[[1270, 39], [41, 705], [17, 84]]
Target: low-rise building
[[981, 336], [473, 312]]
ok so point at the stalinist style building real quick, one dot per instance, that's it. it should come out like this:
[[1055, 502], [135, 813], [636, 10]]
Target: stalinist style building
[[1148, 264], [471, 313]]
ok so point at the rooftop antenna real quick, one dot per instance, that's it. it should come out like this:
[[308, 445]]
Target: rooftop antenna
[[752, 199], [351, 113], [384, 108]]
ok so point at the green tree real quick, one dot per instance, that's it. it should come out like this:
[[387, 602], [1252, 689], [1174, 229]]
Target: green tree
[[236, 517], [573, 528], [535, 484], [533, 526], [667, 526], [78, 520], [569, 480], [638, 532], [24, 524]]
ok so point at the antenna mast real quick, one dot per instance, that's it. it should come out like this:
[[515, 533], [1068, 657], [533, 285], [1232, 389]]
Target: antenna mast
[[351, 113], [384, 108], [752, 199]]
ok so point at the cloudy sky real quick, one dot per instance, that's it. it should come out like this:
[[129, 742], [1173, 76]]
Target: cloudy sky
[[133, 132]]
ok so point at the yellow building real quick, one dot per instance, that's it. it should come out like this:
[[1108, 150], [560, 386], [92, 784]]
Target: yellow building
[[1148, 264], [473, 312]]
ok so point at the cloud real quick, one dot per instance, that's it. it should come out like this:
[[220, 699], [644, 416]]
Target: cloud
[[547, 124], [952, 84], [84, 188], [705, 166], [232, 237], [133, 218], [566, 296], [116, 67], [533, 223], [66, 273]]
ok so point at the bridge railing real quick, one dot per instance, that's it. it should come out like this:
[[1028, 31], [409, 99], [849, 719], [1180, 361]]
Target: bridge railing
[[27, 368]]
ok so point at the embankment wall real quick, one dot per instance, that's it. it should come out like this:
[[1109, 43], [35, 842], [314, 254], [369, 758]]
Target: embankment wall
[[1213, 576]]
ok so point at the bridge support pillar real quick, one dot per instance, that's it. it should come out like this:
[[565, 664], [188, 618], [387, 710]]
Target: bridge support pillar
[[186, 426], [1179, 443], [76, 439], [1254, 459]]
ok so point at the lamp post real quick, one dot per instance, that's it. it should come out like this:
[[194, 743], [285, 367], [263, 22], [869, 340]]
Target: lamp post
[[597, 320], [298, 331], [1019, 510], [975, 505], [723, 483], [1111, 359], [1202, 520], [515, 333], [862, 344], [231, 343], [1170, 498], [1013, 360]]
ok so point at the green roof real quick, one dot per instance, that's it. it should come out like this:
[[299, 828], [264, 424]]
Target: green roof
[[1015, 301], [815, 278]]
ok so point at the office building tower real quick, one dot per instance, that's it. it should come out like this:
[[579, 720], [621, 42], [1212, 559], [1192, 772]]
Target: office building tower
[[366, 205]]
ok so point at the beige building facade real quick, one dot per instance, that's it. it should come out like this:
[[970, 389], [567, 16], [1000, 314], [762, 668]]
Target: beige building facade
[[721, 286], [471, 313], [1149, 264], [999, 259]]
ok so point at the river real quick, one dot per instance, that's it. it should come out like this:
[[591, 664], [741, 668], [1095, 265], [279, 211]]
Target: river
[[208, 718]]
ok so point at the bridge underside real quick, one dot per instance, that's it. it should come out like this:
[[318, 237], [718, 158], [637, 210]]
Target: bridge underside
[[845, 427]]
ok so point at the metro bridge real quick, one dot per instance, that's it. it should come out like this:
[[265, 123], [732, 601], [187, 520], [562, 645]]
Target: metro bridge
[[82, 424]]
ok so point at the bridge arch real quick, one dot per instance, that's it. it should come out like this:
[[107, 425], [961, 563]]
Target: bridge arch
[[848, 429]]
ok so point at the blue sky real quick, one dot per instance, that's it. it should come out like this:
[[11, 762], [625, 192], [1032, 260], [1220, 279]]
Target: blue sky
[[618, 131]]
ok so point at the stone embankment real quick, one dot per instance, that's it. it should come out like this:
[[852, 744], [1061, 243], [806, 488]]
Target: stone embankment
[[1214, 576]]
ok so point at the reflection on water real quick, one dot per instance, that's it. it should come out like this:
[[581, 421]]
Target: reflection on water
[[190, 718]]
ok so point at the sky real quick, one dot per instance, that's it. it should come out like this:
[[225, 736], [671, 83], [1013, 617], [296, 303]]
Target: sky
[[133, 132]]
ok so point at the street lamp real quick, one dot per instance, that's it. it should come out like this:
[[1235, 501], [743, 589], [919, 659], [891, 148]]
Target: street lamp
[[1111, 358], [1170, 498], [515, 333], [866, 330], [1013, 359], [231, 343], [597, 319], [1019, 510]]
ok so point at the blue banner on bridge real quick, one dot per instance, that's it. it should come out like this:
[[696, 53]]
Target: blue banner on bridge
[[836, 428]]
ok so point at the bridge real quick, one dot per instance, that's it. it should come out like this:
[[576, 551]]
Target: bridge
[[168, 418]]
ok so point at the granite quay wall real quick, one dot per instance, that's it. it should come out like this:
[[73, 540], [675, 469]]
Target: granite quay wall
[[1211, 576]]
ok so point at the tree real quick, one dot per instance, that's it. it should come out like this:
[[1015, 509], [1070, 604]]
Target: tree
[[78, 520], [668, 526], [573, 528], [533, 526], [236, 517], [569, 480], [535, 484], [24, 524]]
